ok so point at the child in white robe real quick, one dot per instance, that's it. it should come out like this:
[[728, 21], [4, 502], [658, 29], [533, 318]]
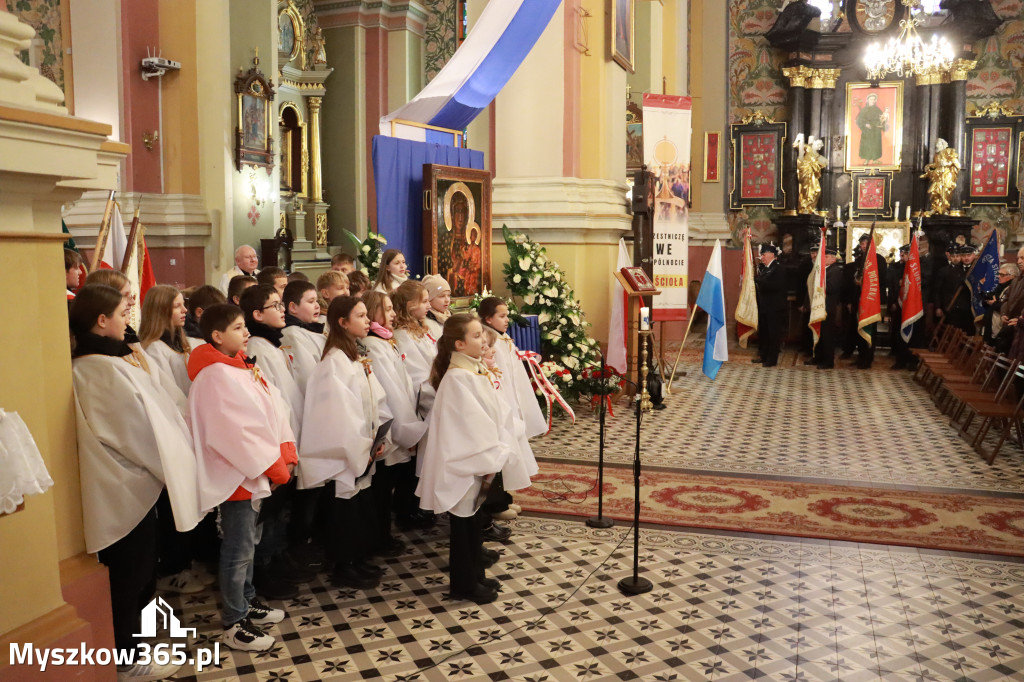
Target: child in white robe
[[162, 335], [303, 330], [516, 473], [518, 393], [345, 406], [420, 348], [464, 447], [439, 294], [394, 483], [276, 576], [196, 302], [132, 441], [392, 272], [245, 448]]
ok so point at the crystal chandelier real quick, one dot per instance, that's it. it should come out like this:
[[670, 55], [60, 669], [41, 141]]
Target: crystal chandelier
[[908, 54]]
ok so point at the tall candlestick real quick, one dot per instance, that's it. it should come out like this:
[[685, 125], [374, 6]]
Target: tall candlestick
[[839, 212], [850, 214], [897, 211], [908, 214]]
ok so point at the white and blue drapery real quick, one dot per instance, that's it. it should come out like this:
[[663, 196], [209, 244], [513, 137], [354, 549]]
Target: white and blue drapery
[[428, 128]]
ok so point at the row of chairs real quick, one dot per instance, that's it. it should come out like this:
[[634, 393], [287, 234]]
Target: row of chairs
[[974, 384]]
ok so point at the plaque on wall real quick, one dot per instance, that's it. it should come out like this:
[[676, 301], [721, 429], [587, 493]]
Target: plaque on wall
[[874, 125], [757, 164], [993, 148]]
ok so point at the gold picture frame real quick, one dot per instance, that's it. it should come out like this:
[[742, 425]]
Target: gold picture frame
[[873, 123], [254, 142], [621, 37], [290, 32], [889, 235]]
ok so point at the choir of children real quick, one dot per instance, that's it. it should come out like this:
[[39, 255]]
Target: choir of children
[[385, 406]]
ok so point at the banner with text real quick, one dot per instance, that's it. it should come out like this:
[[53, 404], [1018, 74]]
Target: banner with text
[[667, 130]]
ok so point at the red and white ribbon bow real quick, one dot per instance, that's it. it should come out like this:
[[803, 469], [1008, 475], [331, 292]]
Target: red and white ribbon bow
[[550, 393]]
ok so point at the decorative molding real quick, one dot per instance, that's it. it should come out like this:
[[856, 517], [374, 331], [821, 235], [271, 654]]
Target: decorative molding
[[705, 228], [993, 110], [931, 78], [559, 209], [824, 79], [961, 69], [798, 75], [408, 15], [757, 118], [170, 220]]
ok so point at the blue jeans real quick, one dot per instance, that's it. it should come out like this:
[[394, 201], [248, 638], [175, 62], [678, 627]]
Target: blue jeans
[[241, 533]]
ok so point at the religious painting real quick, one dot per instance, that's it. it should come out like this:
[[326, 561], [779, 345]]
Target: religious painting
[[712, 156], [889, 236], [991, 161], [253, 140], [634, 137], [621, 42], [872, 194], [873, 16], [874, 125], [457, 227], [757, 165]]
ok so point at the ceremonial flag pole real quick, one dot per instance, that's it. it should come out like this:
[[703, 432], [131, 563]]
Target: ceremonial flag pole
[[746, 306], [983, 279], [818, 311], [101, 238], [133, 233], [911, 300], [869, 309]]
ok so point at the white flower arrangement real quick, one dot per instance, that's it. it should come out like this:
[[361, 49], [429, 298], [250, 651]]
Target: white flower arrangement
[[517, 279], [525, 263]]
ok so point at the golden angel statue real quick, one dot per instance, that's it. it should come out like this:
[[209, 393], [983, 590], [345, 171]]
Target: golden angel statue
[[808, 172], [942, 173]]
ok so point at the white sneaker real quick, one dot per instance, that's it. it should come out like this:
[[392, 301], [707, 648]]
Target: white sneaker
[[516, 508], [506, 515], [144, 673], [244, 636], [182, 583], [262, 614]]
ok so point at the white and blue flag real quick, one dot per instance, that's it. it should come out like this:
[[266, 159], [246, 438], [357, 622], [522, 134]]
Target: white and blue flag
[[495, 47], [711, 300]]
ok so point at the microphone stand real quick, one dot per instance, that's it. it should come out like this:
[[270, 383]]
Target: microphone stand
[[635, 584], [600, 521]]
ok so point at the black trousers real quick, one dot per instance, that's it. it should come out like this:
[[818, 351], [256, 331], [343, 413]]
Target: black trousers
[[131, 565], [825, 351], [384, 492], [465, 552], [865, 350], [174, 549], [406, 503], [302, 521], [497, 499], [353, 522], [770, 336], [275, 514]]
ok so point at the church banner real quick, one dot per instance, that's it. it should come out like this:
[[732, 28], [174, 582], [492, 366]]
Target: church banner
[[667, 130]]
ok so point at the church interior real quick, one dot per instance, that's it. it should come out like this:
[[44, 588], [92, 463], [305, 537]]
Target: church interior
[[707, 505]]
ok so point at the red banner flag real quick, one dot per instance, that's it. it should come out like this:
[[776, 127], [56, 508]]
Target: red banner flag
[[869, 311], [910, 292]]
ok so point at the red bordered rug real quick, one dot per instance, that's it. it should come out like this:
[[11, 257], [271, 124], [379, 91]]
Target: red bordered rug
[[963, 523]]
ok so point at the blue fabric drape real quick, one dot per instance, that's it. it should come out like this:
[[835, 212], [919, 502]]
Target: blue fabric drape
[[398, 178]]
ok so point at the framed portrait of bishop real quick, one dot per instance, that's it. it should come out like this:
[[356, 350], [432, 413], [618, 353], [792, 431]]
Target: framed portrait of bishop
[[457, 227]]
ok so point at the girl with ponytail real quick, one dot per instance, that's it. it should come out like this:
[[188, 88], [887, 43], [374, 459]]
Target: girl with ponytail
[[463, 449]]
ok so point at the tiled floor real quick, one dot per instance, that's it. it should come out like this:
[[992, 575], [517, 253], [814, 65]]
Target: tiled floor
[[722, 608], [725, 606]]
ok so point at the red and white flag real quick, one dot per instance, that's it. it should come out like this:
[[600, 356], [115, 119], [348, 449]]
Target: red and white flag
[[910, 292], [746, 306], [818, 311], [869, 310], [117, 242]]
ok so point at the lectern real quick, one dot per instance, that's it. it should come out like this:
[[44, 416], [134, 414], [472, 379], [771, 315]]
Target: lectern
[[637, 286]]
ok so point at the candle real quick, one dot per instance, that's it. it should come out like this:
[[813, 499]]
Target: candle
[[849, 216], [897, 211], [645, 318], [839, 212], [908, 214]]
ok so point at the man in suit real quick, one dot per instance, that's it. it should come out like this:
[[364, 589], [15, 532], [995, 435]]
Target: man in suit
[[825, 351], [771, 305]]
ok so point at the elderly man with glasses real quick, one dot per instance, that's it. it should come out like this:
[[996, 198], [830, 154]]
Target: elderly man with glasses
[[246, 262]]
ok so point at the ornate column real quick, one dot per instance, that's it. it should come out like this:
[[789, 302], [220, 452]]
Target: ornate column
[[925, 135], [317, 191], [823, 81], [798, 77], [957, 113]]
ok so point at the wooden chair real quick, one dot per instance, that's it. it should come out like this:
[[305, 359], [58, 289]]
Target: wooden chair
[[1007, 411], [948, 346], [960, 365], [983, 380], [995, 389]]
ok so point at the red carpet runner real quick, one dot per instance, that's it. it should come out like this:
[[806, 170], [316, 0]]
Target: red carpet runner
[[963, 523]]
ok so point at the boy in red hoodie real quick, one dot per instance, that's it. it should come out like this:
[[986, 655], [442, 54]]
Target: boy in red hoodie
[[244, 448]]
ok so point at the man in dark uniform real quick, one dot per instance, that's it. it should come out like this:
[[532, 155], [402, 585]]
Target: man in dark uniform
[[825, 351], [893, 281], [849, 297], [956, 293], [771, 305]]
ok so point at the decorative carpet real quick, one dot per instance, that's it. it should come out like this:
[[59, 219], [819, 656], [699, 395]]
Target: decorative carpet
[[934, 520]]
